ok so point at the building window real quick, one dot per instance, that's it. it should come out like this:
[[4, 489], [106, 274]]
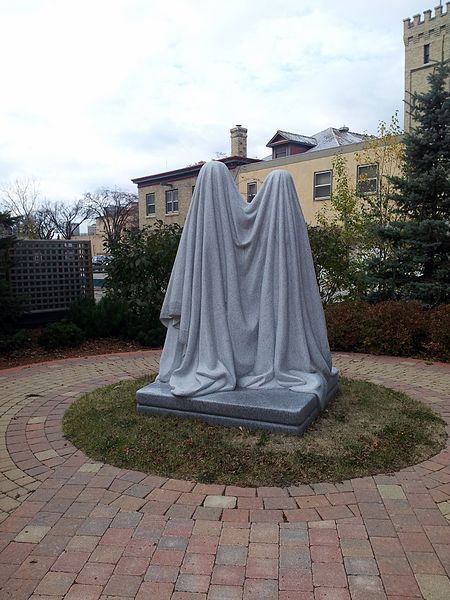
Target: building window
[[426, 54], [251, 191], [171, 201], [322, 185], [150, 208], [367, 177], [193, 190], [280, 151]]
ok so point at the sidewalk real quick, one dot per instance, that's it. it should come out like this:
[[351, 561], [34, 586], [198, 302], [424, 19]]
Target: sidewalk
[[74, 529]]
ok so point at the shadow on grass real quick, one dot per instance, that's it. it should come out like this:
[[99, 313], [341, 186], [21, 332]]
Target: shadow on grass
[[367, 429]]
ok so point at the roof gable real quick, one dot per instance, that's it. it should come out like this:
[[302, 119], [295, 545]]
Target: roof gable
[[334, 138], [283, 137]]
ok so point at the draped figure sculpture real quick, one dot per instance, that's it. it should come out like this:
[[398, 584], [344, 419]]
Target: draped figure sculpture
[[242, 308]]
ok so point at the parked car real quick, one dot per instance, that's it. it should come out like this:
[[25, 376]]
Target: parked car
[[99, 262]]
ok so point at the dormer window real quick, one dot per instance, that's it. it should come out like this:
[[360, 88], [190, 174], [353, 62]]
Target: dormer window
[[284, 144], [280, 151]]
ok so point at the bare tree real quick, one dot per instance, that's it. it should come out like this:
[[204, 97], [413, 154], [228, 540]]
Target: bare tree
[[43, 221], [66, 218], [39, 218], [21, 199], [117, 211]]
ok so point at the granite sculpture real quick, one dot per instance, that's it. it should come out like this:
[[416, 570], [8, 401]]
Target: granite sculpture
[[246, 336]]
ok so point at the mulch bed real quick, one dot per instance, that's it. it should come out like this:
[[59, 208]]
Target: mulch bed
[[34, 353]]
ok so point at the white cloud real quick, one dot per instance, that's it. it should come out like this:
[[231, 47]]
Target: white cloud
[[98, 91]]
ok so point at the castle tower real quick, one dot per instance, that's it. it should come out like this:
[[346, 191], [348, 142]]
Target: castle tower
[[427, 41], [238, 141]]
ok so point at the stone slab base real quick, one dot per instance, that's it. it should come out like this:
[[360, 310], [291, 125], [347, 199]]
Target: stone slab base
[[274, 410]]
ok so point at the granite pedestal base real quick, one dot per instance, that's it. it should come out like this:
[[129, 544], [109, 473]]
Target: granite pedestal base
[[275, 410]]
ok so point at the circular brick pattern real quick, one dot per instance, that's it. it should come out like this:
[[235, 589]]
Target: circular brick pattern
[[72, 528]]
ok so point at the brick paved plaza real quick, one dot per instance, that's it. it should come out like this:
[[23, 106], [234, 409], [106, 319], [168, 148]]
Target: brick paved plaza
[[74, 529]]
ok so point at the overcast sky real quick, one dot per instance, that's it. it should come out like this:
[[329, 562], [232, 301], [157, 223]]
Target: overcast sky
[[95, 92]]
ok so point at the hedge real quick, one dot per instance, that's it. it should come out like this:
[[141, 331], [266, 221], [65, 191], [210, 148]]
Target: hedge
[[396, 328]]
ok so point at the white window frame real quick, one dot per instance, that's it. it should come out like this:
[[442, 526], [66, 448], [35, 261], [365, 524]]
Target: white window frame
[[170, 203], [322, 185], [250, 196], [147, 204], [358, 183]]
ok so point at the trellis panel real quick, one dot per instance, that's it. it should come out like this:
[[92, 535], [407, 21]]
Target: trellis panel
[[48, 275]]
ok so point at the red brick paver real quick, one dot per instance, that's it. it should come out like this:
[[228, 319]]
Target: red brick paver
[[79, 530]]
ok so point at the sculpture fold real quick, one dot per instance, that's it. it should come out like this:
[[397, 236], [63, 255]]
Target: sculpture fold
[[242, 308]]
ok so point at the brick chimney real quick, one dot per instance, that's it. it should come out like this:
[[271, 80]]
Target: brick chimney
[[238, 141]]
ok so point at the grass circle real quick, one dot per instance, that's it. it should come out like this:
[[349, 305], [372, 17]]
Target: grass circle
[[367, 429]]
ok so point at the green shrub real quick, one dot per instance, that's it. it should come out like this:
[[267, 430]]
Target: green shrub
[[10, 308], [346, 322], [146, 329], [396, 328], [138, 275], [61, 335], [10, 305], [112, 314], [439, 320], [106, 318], [14, 341], [338, 271], [82, 313]]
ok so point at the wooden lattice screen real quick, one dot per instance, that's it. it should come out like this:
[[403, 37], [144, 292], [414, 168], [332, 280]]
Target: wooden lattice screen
[[48, 275]]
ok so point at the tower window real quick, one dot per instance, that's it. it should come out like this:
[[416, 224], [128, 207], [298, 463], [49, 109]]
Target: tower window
[[426, 54]]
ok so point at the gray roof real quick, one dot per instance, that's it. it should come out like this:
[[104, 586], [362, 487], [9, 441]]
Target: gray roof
[[328, 138], [333, 138], [295, 137]]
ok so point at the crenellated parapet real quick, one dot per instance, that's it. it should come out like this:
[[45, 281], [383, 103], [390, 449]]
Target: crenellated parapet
[[427, 42], [423, 27]]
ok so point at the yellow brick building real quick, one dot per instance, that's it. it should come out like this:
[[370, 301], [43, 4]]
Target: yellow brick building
[[309, 159], [97, 242], [167, 195], [312, 170], [97, 234]]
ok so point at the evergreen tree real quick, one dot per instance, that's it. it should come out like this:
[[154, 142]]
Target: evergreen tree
[[7, 223], [419, 265]]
